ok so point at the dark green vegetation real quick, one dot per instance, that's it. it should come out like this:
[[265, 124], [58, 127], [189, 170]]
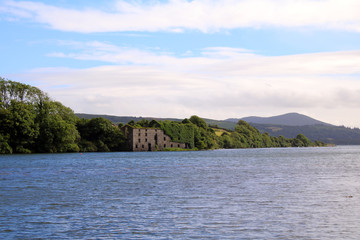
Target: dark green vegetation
[[246, 136], [31, 122]]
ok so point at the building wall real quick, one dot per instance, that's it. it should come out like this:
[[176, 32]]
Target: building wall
[[149, 139]]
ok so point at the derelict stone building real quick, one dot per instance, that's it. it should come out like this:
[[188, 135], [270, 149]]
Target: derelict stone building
[[149, 139]]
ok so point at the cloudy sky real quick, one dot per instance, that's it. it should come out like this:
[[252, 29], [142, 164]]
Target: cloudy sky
[[176, 58]]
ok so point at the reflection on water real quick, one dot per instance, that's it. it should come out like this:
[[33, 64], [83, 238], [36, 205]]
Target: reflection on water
[[294, 193]]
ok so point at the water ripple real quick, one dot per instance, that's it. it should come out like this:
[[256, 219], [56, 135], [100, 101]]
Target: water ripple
[[291, 193]]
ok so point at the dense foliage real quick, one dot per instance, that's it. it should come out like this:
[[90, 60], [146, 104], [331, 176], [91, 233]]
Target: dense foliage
[[31, 122], [246, 136], [100, 135], [179, 132]]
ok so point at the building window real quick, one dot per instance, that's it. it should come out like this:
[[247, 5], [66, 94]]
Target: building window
[[139, 134], [145, 134], [171, 145], [178, 145], [139, 140], [164, 145], [136, 146], [142, 146], [145, 139], [164, 138]]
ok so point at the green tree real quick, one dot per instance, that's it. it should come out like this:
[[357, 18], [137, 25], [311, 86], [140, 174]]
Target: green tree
[[301, 141], [267, 141], [17, 109], [99, 134], [283, 142], [31, 122], [198, 122], [23, 130], [5, 125], [57, 126], [4, 145], [253, 137], [227, 141]]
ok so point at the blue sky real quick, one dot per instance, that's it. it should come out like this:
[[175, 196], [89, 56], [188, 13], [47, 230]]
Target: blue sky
[[215, 59]]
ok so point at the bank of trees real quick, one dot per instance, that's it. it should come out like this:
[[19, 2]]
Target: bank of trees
[[246, 136], [31, 122], [100, 135]]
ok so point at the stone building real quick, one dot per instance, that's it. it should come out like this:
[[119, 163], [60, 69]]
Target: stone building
[[149, 139]]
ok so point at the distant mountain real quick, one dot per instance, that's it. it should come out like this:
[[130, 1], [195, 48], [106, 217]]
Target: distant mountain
[[289, 119], [291, 124], [339, 135]]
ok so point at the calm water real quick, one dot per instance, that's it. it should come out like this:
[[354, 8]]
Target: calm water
[[296, 193]]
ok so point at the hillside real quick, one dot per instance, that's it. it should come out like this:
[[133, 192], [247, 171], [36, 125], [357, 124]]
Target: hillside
[[122, 119], [287, 125], [289, 119], [326, 133]]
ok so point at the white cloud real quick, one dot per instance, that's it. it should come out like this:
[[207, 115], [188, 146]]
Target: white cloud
[[221, 83], [221, 61], [201, 15]]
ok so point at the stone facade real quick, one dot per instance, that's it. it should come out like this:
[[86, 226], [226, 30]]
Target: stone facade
[[149, 139]]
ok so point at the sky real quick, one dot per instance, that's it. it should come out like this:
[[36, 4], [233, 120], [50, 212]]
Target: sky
[[178, 58]]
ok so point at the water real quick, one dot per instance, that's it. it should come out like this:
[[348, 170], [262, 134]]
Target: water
[[291, 193]]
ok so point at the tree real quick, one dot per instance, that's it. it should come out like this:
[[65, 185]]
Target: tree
[[198, 122], [267, 141], [5, 124], [253, 137], [18, 112], [23, 130], [57, 126], [227, 141], [301, 141], [31, 122], [99, 134]]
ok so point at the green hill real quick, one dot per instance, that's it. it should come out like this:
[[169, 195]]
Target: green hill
[[288, 119]]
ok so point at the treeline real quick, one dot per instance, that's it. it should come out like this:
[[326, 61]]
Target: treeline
[[199, 135], [338, 135], [30, 122], [246, 136]]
